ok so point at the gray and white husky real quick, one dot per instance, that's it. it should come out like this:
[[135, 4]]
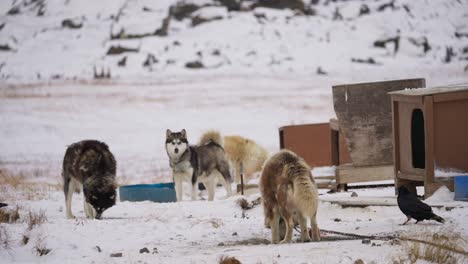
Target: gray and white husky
[[90, 165], [206, 163]]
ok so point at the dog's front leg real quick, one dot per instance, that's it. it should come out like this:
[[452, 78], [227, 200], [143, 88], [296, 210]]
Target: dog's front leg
[[69, 190], [194, 191], [178, 186]]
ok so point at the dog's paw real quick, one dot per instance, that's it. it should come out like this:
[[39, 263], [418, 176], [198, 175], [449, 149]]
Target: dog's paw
[[284, 241], [306, 239], [71, 217]]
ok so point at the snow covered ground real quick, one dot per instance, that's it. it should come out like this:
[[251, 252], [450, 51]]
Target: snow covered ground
[[262, 69], [202, 232]]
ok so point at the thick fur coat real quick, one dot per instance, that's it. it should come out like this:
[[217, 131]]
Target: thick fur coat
[[287, 188], [90, 165], [206, 163], [241, 152]]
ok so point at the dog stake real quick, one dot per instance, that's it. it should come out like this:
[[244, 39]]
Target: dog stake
[[241, 169]]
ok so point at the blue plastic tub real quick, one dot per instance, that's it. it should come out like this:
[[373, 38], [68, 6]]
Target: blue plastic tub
[[461, 188], [160, 192]]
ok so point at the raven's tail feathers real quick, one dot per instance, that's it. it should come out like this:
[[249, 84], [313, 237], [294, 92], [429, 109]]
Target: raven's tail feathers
[[438, 219]]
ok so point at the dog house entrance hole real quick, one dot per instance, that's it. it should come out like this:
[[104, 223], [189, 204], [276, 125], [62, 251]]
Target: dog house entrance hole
[[417, 139]]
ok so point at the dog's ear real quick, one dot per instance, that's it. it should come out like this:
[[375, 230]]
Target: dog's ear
[[184, 134], [168, 133]]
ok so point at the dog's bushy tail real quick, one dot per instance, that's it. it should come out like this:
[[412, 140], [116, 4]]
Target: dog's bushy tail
[[303, 186], [211, 136]]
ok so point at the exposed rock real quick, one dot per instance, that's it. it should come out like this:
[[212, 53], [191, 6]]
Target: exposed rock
[[147, 9], [368, 61], [231, 5], [144, 250], [72, 24], [282, 4], [122, 62], [194, 65], [150, 60], [115, 50], [364, 10], [5, 47], [366, 241], [183, 10], [337, 15], [390, 5], [207, 14], [449, 53], [163, 30], [98, 249], [422, 42], [382, 43], [354, 194], [197, 20], [461, 34], [13, 11], [116, 255], [234, 234], [320, 71]]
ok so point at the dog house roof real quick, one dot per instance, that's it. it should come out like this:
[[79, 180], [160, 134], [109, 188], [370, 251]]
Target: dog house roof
[[431, 90]]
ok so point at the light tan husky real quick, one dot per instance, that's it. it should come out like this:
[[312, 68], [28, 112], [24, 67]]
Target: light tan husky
[[288, 188]]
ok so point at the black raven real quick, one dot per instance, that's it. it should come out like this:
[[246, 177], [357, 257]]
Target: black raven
[[412, 207]]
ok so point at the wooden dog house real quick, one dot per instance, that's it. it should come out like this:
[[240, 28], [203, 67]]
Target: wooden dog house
[[364, 114], [430, 133]]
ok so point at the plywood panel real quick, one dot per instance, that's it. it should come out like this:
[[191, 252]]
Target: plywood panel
[[311, 141], [451, 134], [365, 117], [350, 174]]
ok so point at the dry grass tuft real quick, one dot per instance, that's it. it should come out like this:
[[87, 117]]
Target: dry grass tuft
[[5, 240], [41, 248], [14, 180], [441, 247], [245, 205], [35, 219], [14, 185], [229, 260], [9, 216], [25, 239]]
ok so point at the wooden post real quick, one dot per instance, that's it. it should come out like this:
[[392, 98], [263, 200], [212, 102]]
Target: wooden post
[[241, 170], [429, 146]]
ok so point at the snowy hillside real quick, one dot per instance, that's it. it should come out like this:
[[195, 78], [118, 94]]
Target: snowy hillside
[[131, 39], [124, 71]]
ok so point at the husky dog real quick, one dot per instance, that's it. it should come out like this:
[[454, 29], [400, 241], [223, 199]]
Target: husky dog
[[240, 151], [206, 163], [287, 188], [90, 165]]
